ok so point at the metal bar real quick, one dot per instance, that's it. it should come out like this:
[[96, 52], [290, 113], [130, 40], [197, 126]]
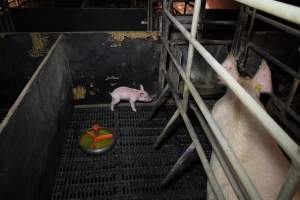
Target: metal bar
[[164, 55], [282, 10], [205, 163], [203, 41], [240, 26], [244, 178], [294, 89], [293, 92], [184, 161], [11, 22], [148, 15], [244, 56], [290, 185], [163, 135], [190, 56], [292, 113], [219, 154], [278, 25], [159, 101], [151, 15], [281, 137], [274, 60], [219, 22]]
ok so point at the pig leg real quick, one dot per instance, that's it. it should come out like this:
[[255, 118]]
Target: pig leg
[[132, 104], [114, 101]]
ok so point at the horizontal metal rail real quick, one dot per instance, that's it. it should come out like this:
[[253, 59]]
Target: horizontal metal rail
[[277, 24], [282, 10], [242, 175], [281, 137]]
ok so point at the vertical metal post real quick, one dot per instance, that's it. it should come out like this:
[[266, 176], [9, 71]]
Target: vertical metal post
[[294, 87], [149, 16], [239, 28], [164, 36], [291, 182], [196, 13], [244, 50]]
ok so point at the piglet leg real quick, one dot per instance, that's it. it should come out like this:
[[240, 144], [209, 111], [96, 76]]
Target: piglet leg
[[114, 101], [132, 104]]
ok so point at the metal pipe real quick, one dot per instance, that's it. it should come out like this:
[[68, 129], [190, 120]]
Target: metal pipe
[[219, 154], [240, 26], [274, 60], [163, 55], [187, 158], [290, 185], [282, 10], [278, 25], [280, 103], [281, 137], [159, 101], [205, 163], [243, 177], [244, 54], [294, 89], [204, 41], [293, 92], [164, 132], [190, 56]]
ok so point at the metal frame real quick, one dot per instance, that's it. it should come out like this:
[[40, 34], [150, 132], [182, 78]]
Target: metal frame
[[236, 174]]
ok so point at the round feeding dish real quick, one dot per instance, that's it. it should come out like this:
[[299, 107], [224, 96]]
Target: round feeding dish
[[96, 140]]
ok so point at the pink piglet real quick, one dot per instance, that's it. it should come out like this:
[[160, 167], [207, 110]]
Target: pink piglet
[[130, 94]]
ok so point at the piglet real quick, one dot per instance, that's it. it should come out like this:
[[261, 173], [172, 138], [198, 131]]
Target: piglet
[[130, 94], [257, 151]]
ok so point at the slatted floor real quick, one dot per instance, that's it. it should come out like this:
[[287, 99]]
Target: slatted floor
[[133, 169]]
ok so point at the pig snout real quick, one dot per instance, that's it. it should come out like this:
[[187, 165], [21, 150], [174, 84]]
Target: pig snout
[[145, 99]]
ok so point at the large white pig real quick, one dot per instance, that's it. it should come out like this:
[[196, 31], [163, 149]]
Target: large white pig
[[258, 152]]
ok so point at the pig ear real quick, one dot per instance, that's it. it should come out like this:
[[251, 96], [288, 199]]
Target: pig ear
[[262, 81], [141, 87], [230, 65]]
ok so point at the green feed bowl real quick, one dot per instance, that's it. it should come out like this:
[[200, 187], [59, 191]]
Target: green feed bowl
[[93, 141]]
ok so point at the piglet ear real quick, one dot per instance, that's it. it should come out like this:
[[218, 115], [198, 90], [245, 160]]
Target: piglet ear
[[262, 81], [231, 66], [141, 87]]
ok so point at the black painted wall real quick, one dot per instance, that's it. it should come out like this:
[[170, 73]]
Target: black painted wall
[[77, 19], [31, 140], [106, 63], [17, 66]]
